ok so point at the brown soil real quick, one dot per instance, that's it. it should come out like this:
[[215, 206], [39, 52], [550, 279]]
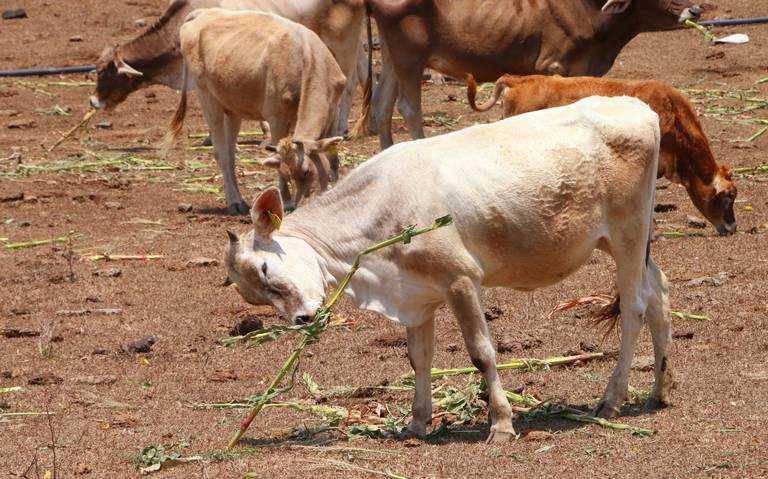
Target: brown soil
[[715, 428]]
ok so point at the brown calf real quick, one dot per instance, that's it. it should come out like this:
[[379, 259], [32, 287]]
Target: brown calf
[[686, 157]]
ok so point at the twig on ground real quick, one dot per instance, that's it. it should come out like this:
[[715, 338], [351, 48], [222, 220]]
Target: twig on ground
[[83, 122]]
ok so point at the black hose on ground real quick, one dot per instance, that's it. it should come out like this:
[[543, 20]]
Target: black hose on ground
[[47, 71]]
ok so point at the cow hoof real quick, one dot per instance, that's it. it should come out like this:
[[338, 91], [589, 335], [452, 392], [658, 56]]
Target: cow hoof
[[240, 208], [500, 437], [408, 433], [653, 404], [604, 411]]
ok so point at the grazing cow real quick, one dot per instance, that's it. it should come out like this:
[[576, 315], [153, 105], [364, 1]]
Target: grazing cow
[[489, 39], [259, 66], [154, 56], [542, 191], [686, 157]]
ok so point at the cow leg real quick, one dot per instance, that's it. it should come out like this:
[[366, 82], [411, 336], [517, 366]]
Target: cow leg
[[464, 299], [409, 103], [345, 105], [384, 98], [660, 325], [266, 133], [224, 130], [630, 264], [421, 346]]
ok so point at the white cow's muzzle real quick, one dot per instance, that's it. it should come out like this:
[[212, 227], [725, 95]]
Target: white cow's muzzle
[[96, 103]]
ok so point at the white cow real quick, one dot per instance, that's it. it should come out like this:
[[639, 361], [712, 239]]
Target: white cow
[[531, 196], [259, 66]]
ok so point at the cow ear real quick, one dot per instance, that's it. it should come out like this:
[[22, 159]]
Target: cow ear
[[267, 213], [272, 162], [329, 145], [613, 7], [125, 69]]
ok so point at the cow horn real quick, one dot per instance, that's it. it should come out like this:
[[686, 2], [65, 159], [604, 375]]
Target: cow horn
[[271, 148], [126, 69]]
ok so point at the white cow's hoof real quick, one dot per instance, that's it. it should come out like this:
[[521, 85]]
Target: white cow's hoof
[[605, 411], [498, 436], [653, 404]]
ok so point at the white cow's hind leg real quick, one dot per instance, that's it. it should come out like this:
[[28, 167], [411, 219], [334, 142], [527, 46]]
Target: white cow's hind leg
[[421, 345], [224, 130], [464, 299], [384, 98], [661, 332], [630, 263]]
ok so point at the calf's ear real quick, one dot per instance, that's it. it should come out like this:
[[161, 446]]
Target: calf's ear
[[272, 162], [267, 213], [616, 6]]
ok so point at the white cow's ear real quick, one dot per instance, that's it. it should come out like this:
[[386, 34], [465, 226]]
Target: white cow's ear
[[125, 69], [267, 213], [616, 6], [272, 162]]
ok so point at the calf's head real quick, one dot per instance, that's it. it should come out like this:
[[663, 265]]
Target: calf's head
[[716, 201], [655, 14], [267, 268], [115, 80], [289, 161]]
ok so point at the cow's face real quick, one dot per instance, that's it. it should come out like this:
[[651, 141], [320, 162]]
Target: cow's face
[[655, 14], [115, 80], [291, 156], [718, 202], [275, 270]]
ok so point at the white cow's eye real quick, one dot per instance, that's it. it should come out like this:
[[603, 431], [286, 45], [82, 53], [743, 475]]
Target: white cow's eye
[[264, 269]]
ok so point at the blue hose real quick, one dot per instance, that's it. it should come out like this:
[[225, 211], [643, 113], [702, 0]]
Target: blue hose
[[734, 21], [47, 71]]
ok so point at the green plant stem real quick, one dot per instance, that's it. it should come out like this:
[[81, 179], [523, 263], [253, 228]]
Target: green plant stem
[[689, 316], [517, 364], [320, 321], [33, 243]]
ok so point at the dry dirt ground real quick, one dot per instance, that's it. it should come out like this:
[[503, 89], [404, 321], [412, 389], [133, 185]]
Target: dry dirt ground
[[108, 404]]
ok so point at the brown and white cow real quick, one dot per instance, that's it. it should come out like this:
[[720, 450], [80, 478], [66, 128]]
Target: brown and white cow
[[260, 66], [488, 39], [686, 157], [541, 192], [154, 57]]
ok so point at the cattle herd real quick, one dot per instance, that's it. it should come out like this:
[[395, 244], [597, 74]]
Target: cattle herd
[[570, 169]]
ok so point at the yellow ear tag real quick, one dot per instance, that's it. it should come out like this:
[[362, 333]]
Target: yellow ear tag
[[333, 149], [276, 221]]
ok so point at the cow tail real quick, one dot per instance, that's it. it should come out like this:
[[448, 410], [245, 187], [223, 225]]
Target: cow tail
[[178, 118], [362, 123], [609, 315], [472, 94]]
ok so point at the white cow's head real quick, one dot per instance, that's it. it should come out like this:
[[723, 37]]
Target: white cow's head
[[271, 269]]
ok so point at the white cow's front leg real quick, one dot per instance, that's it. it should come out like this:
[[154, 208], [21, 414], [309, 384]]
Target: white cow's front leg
[[421, 345], [224, 130], [463, 298]]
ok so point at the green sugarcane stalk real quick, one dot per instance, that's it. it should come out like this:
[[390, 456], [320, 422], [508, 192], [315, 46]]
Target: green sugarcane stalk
[[606, 423], [242, 133], [33, 243], [689, 316], [708, 36], [523, 363], [321, 319]]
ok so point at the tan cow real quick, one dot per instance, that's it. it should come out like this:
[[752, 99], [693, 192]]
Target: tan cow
[[541, 192], [491, 38], [259, 66], [154, 56], [686, 157]]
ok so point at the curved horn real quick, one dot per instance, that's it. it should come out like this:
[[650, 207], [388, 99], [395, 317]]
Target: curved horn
[[126, 69]]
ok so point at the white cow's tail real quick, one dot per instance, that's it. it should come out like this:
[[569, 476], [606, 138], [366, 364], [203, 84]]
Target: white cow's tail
[[178, 118], [472, 94], [362, 123]]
